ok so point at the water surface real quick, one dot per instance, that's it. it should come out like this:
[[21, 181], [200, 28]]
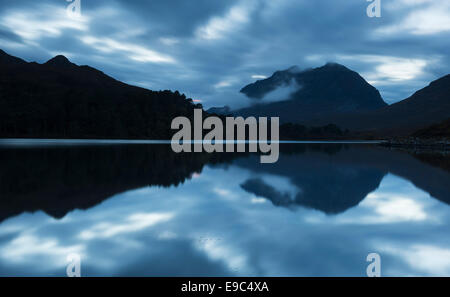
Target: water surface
[[135, 209]]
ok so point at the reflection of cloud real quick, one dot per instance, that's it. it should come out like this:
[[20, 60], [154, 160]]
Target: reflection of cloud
[[255, 240], [218, 251], [133, 223], [433, 260], [23, 247], [224, 193], [255, 200], [394, 203], [391, 208], [166, 235]]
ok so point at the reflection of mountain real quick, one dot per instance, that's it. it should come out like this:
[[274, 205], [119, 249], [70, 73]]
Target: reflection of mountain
[[260, 188], [329, 178], [437, 159], [325, 183], [58, 180], [335, 180], [426, 173]]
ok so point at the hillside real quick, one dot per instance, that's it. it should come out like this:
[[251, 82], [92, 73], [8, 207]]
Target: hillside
[[59, 99], [441, 130], [425, 107]]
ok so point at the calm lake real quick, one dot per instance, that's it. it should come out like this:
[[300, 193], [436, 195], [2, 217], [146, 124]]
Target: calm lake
[[138, 209]]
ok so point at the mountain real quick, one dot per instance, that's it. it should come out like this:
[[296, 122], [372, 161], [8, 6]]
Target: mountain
[[59, 99], [441, 130], [425, 107], [317, 93], [333, 94], [226, 110]]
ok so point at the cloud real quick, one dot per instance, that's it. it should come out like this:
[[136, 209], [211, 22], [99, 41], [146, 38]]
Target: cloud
[[220, 26], [395, 76], [212, 49], [395, 69], [281, 93], [425, 258], [223, 84], [133, 51], [257, 76], [169, 41], [50, 21]]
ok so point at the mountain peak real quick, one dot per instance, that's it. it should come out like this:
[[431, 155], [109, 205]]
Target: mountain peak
[[334, 65], [294, 69], [330, 90], [59, 60]]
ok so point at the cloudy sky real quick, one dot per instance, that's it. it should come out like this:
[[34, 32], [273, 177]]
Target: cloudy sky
[[210, 49]]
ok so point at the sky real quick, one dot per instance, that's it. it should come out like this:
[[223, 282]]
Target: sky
[[210, 49]]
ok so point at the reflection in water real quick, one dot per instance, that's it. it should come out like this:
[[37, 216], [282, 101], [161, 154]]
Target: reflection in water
[[326, 182], [143, 210], [59, 180]]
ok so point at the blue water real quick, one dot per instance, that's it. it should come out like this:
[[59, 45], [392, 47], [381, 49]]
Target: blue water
[[319, 211]]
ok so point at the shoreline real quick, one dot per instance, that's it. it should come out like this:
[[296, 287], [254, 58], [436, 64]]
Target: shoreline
[[69, 142], [417, 143]]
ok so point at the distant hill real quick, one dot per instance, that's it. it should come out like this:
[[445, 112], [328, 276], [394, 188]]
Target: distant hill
[[59, 99], [226, 110], [322, 92], [441, 130], [425, 107]]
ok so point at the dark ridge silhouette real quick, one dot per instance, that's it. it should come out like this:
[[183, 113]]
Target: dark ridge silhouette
[[322, 92], [428, 106], [441, 130], [58, 180], [59, 99]]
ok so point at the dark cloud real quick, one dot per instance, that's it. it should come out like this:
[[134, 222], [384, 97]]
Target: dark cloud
[[210, 49]]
